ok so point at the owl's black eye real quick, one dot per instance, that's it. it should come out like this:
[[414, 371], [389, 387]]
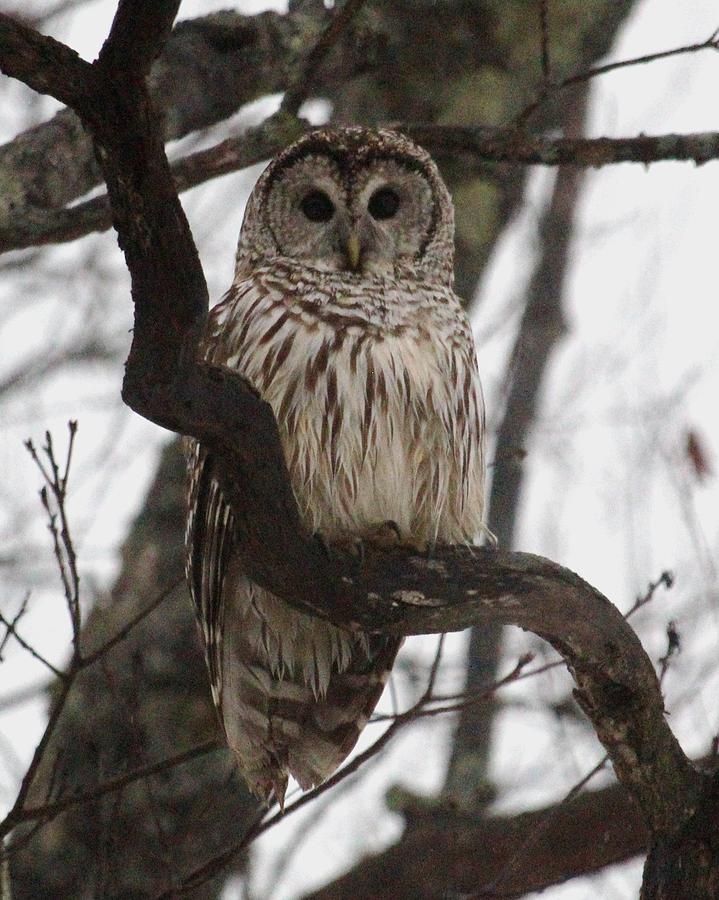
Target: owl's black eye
[[383, 204], [317, 206]]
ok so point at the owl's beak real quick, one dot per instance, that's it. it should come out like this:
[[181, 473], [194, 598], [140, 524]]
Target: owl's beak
[[353, 250]]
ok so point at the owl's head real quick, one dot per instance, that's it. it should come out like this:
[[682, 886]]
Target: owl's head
[[354, 201]]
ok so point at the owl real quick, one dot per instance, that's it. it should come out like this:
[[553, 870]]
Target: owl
[[342, 316]]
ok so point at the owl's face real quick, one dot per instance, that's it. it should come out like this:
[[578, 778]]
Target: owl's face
[[352, 201], [365, 219]]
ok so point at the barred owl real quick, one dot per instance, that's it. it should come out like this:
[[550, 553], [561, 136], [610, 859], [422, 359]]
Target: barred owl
[[343, 317]]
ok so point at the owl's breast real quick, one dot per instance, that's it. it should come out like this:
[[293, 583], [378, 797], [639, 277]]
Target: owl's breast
[[380, 415]]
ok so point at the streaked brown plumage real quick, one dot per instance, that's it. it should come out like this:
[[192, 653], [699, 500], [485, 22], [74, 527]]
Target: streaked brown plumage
[[343, 317]]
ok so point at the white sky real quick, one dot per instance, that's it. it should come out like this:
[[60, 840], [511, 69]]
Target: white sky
[[608, 492]]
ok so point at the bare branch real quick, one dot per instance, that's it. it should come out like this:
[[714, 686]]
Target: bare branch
[[220, 862], [48, 811], [476, 142], [544, 37], [90, 658], [299, 91], [674, 644], [43, 63], [56, 478], [549, 88], [711, 43], [231, 155], [517, 147], [392, 592], [12, 818], [422, 708], [56, 484], [11, 629], [666, 578], [508, 871]]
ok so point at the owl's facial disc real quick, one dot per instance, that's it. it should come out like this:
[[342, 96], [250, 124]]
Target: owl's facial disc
[[364, 218]]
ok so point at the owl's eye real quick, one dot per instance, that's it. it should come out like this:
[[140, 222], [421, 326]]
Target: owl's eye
[[317, 206], [383, 204]]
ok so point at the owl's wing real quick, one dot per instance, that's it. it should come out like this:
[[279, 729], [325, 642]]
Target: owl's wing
[[264, 658], [210, 540]]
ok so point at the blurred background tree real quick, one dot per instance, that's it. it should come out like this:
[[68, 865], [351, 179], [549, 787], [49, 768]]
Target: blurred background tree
[[598, 460]]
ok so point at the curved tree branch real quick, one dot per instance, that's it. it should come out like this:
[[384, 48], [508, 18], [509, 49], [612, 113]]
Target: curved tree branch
[[393, 592]]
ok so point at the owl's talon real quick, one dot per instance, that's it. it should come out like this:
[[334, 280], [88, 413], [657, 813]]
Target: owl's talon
[[385, 534], [350, 543], [388, 535], [355, 546], [320, 539]]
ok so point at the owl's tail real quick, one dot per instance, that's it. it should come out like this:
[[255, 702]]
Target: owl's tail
[[295, 699]]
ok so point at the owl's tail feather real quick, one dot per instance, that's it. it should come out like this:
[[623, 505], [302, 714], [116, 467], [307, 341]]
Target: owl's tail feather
[[275, 718]]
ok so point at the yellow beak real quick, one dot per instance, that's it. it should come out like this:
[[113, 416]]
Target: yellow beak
[[353, 249]]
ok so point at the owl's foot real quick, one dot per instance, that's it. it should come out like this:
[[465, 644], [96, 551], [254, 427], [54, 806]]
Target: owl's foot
[[350, 543], [388, 535], [385, 535]]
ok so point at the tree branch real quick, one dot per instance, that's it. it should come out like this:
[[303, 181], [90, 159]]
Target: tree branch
[[44, 64], [47, 811], [502, 145], [450, 852], [50, 226]]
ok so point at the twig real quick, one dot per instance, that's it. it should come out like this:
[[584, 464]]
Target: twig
[[218, 863], [56, 485], [122, 633], [394, 592], [12, 630], [56, 480], [280, 868], [711, 43], [48, 811], [421, 709], [674, 646], [12, 818], [544, 34], [489, 890], [434, 669], [549, 88], [666, 579], [221, 861], [297, 93], [540, 670]]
